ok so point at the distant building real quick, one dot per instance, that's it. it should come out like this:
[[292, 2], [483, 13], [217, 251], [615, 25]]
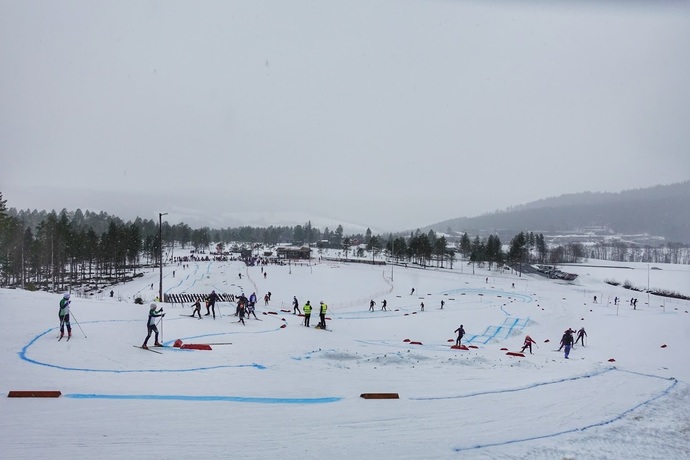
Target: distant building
[[291, 252]]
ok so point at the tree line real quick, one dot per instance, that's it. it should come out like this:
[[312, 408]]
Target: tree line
[[50, 250]]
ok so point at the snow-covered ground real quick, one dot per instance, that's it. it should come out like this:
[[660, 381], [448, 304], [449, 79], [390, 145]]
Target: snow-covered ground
[[294, 392]]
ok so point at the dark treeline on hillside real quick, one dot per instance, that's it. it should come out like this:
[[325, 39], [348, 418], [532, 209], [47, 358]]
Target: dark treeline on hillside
[[50, 250], [662, 210]]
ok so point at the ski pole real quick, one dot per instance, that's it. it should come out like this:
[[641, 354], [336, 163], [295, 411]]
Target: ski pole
[[82, 330]]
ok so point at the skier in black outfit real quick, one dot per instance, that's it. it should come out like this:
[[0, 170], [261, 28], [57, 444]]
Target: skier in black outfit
[[384, 303], [581, 334], [295, 306], [197, 308], [211, 303], [371, 305], [461, 334]]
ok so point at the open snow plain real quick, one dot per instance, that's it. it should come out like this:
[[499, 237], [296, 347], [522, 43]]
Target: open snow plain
[[294, 392]]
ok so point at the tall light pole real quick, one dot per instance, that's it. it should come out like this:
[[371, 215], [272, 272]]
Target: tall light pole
[[160, 253]]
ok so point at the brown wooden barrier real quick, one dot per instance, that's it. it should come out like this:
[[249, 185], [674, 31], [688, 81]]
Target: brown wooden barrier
[[379, 396], [34, 394]]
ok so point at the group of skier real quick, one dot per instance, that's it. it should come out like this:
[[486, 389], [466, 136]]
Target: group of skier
[[568, 342]]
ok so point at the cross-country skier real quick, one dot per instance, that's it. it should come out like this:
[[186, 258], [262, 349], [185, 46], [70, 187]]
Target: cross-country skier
[[461, 333], [197, 308], [371, 305], [151, 325], [383, 305], [422, 305], [295, 306], [412, 291], [241, 311], [581, 334], [528, 344], [307, 313], [443, 302], [250, 311], [63, 314]]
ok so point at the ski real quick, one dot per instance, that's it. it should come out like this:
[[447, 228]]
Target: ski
[[148, 349]]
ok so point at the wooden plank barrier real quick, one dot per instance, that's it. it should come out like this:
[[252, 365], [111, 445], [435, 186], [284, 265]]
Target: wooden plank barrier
[[379, 396], [34, 394]]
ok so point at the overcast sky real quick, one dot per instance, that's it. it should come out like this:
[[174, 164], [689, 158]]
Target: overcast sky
[[380, 113]]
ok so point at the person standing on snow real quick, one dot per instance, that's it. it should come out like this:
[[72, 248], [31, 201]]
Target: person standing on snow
[[307, 313], [63, 314], [422, 306], [322, 315], [528, 344], [371, 305], [383, 305], [581, 334], [565, 334], [211, 303], [461, 333], [567, 342], [295, 306], [151, 325]]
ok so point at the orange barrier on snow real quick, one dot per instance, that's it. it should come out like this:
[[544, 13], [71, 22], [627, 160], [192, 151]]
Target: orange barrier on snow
[[504, 349], [178, 343], [272, 312], [283, 326], [459, 347], [515, 353], [450, 340], [547, 341], [473, 346], [416, 343], [379, 396], [664, 346], [196, 346], [611, 360], [34, 394], [406, 340]]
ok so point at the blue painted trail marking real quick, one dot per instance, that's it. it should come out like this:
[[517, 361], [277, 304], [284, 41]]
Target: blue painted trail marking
[[237, 399], [23, 354]]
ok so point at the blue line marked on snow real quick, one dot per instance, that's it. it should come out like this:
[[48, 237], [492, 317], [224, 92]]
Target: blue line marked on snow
[[23, 355], [511, 390], [608, 421], [238, 399]]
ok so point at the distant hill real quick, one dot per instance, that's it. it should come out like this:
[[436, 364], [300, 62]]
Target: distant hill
[[663, 210]]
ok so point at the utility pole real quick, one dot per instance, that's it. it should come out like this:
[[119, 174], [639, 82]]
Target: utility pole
[[160, 253]]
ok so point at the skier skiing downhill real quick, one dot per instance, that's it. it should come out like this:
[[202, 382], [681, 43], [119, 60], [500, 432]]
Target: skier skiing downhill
[[63, 314], [154, 313]]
